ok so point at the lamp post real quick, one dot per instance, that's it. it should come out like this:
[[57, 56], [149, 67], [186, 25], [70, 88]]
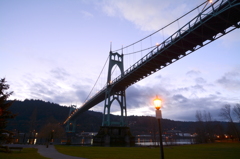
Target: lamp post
[[158, 104], [52, 136]]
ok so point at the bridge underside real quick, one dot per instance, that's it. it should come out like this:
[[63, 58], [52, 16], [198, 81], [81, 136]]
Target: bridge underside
[[209, 28]]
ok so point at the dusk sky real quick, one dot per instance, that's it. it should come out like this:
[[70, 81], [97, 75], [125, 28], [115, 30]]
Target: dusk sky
[[54, 50]]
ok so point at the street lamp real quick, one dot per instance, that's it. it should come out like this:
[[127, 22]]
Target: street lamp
[[158, 104]]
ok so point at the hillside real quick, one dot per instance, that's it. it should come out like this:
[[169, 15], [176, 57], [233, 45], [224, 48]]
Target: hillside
[[34, 114]]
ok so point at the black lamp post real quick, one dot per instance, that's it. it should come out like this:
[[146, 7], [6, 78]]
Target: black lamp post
[[158, 105], [52, 132]]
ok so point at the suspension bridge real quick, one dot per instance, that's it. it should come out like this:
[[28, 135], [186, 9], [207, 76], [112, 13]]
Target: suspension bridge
[[213, 20]]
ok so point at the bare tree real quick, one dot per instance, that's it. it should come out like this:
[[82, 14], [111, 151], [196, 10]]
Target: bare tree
[[207, 116], [204, 128], [199, 116], [51, 131], [209, 126], [57, 130], [226, 114], [236, 111], [200, 130]]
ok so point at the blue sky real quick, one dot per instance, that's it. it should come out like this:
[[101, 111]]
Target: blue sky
[[54, 50]]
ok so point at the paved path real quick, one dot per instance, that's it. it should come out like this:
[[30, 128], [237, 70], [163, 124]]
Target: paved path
[[49, 152]]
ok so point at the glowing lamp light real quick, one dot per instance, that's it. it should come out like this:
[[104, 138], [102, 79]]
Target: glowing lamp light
[[157, 103], [210, 1]]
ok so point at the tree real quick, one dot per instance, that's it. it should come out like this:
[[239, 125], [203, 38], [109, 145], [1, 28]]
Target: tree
[[226, 114], [201, 137], [236, 111], [204, 127], [51, 131], [5, 114]]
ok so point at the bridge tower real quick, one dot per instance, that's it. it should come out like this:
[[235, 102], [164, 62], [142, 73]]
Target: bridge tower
[[71, 124], [115, 132], [111, 95]]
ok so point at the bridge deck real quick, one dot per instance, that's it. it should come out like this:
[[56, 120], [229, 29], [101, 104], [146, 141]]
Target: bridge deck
[[203, 29]]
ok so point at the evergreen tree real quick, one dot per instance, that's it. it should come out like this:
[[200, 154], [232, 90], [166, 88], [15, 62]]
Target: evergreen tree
[[5, 114]]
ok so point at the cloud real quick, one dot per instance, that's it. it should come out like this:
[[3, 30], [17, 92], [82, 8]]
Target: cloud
[[197, 88], [86, 14], [59, 73], [151, 15], [200, 80], [193, 73], [80, 92], [179, 98], [55, 93], [230, 80], [56, 86], [137, 94], [183, 108], [179, 103], [40, 89], [143, 15]]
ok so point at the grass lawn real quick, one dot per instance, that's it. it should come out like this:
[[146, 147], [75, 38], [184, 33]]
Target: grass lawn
[[201, 151], [26, 153]]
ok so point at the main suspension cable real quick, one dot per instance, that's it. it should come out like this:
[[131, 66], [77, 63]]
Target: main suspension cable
[[97, 79], [162, 27]]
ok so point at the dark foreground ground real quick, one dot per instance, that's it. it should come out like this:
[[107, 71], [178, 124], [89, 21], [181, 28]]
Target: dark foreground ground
[[223, 150]]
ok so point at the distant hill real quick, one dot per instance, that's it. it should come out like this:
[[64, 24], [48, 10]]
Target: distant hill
[[34, 114]]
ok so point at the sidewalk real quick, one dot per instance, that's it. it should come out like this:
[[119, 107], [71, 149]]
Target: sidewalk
[[51, 152]]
